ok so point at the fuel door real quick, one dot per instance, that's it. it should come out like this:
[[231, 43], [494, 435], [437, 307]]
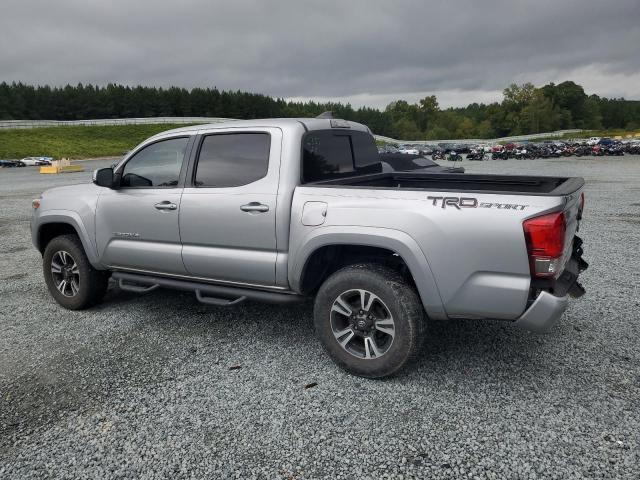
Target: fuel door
[[314, 213]]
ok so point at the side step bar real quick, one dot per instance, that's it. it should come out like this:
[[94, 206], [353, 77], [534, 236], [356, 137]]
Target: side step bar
[[219, 295]]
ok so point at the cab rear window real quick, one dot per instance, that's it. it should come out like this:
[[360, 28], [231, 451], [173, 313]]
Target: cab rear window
[[328, 154]]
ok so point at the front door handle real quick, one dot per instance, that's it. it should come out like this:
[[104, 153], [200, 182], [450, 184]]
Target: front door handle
[[166, 205], [255, 207]]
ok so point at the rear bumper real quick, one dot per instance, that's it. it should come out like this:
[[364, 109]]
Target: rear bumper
[[547, 308], [543, 313]]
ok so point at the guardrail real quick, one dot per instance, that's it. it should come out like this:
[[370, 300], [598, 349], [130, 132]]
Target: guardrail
[[9, 124], [516, 138]]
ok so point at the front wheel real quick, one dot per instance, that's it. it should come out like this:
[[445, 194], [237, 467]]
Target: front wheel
[[69, 276], [369, 320]]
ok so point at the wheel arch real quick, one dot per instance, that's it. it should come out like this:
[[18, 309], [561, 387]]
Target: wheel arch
[[51, 225], [49, 231], [327, 249]]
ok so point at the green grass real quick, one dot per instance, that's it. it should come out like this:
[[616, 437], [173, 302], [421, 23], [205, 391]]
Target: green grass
[[76, 141]]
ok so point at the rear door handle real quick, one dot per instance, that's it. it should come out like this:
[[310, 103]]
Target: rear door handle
[[254, 207], [166, 205]]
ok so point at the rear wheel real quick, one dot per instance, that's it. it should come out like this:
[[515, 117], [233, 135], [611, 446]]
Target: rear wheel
[[69, 276], [369, 320]]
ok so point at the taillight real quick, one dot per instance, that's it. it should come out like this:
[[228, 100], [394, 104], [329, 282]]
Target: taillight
[[545, 243], [581, 202]]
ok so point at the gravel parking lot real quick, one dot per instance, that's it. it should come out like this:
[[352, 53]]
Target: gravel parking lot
[[142, 385]]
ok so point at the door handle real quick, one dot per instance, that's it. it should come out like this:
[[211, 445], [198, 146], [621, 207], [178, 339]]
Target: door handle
[[254, 207], [166, 205]]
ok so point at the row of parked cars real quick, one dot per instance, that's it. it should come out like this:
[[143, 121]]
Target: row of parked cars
[[531, 151], [594, 146], [26, 162]]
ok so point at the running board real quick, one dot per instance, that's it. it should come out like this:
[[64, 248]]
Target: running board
[[210, 294]]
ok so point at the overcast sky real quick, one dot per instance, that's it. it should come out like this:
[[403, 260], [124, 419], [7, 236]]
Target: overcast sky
[[363, 52]]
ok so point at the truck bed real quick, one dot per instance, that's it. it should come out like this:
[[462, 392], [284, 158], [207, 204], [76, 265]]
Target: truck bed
[[447, 182]]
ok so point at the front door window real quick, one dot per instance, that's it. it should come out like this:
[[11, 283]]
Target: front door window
[[157, 165]]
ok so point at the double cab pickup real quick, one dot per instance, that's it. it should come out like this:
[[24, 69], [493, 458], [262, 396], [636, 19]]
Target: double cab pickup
[[283, 210]]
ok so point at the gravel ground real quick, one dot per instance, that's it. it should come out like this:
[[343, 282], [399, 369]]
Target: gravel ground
[[142, 385]]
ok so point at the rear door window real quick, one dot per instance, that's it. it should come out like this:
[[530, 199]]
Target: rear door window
[[232, 159]]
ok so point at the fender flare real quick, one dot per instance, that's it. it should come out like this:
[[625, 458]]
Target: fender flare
[[71, 218], [398, 242]]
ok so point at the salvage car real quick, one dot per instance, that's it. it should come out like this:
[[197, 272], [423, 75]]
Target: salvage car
[[283, 210]]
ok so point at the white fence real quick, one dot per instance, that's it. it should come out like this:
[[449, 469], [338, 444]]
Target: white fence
[[6, 124], [517, 138]]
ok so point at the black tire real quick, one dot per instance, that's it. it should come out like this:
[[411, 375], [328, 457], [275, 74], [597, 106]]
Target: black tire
[[84, 288], [395, 294]]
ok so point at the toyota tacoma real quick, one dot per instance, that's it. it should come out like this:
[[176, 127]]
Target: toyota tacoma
[[282, 210]]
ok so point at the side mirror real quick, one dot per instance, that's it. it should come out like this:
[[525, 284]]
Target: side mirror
[[103, 177]]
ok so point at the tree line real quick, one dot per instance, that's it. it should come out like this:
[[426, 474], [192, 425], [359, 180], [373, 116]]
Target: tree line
[[524, 109]]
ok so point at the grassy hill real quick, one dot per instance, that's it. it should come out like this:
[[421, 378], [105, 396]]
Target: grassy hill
[[75, 141]]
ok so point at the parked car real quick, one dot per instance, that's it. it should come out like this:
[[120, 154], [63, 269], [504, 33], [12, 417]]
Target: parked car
[[11, 163], [288, 209], [462, 148], [410, 150], [454, 156], [388, 149], [438, 154], [476, 154], [36, 161]]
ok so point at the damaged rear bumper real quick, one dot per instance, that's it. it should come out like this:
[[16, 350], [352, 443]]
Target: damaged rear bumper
[[551, 303], [543, 313]]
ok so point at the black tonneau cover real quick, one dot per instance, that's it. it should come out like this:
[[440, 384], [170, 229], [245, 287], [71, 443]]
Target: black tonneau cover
[[448, 182]]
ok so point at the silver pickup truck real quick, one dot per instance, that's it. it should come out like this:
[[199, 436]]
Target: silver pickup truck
[[282, 210]]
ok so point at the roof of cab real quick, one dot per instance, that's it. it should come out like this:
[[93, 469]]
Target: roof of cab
[[284, 123]]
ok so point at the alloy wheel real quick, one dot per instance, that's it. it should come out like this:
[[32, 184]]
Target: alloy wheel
[[65, 273], [362, 324]]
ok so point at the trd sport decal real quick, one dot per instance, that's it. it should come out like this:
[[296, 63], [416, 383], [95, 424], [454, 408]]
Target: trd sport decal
[[470, 202]]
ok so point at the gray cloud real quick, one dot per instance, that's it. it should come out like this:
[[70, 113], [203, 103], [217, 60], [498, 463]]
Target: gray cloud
[[360, 51]]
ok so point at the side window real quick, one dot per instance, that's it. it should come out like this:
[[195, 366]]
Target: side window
[[325, 154], [157, 165], [232, 159]]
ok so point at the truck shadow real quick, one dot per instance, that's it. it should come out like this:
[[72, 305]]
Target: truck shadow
[[480, 341], [455, 346]]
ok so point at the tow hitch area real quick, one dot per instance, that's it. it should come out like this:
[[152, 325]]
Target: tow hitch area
[[568, 283], [576, 290]]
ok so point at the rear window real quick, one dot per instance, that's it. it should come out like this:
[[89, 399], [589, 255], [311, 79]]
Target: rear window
[[364, 149], [330, 154]]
